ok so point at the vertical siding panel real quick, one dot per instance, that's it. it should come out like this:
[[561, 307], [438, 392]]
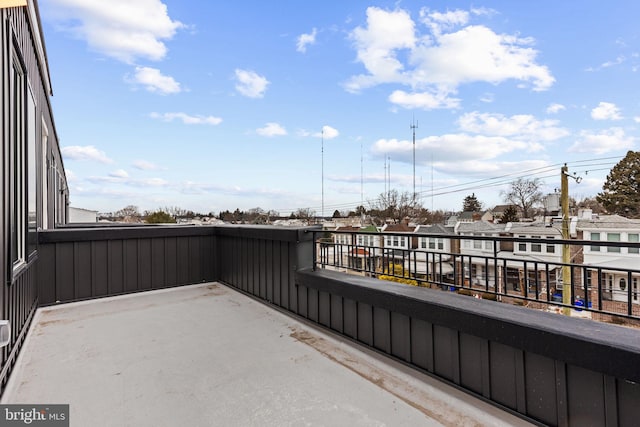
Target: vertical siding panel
[[171, 261], [277, 273], [116, 266], [182, 251], [130, 247], [585, 397], [100, 270], [503, 374], [82, 272], [284, 282], [444, 352], [195, 260], [64, 272], [401, 336], [158, 263], [144, 264], [47, 274]]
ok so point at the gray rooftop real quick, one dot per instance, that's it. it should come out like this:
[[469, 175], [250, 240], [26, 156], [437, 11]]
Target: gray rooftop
[[208, 355]]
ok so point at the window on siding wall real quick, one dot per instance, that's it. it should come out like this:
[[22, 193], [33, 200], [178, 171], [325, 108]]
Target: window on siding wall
[[613, 237], [31, 173], [45, 175], [536, 247], [595, 237], [17, 159], [633, 237]]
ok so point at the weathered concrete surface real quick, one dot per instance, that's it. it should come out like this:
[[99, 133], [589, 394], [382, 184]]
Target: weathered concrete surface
[[207, 355]]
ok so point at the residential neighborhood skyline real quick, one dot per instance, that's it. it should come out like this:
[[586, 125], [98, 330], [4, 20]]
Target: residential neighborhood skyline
[[190, 108]]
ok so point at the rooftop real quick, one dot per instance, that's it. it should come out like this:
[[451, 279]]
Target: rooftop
[[207, 353]]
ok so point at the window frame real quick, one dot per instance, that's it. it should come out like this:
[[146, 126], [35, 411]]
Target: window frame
[[18, 219]]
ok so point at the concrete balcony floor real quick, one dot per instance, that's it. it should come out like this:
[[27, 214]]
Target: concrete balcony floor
[[206, 355]]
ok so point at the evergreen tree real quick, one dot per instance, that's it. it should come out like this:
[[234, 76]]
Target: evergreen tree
[[510, 214], [621, 191], [160, 217], [471, 204]]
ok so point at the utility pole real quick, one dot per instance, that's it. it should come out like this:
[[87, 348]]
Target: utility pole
[[566, 255], [413, 127], [322, 155]]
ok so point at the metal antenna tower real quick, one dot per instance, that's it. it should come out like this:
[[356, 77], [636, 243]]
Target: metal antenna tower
[[413, 127], [322, 155]]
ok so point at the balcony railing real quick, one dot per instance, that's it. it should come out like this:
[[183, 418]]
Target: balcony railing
[[546, 368], [523, 271]]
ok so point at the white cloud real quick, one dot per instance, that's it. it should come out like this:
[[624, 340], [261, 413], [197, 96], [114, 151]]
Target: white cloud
[[87, 152], [448, 148], [251, 84], [376, 45], [154, 81], [145, 165], [436, 62], [423, 100], [613, 139], [555, 108], [271, 129], [306, 39], [327, 133], [606, 111], [122, 29], [439, 21], [488, 97], [120, 173], [520, 126], [187, 119], [636, 119]]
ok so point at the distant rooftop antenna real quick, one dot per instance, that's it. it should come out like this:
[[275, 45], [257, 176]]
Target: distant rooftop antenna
[[322, 155], [361, 176], [413, 127]]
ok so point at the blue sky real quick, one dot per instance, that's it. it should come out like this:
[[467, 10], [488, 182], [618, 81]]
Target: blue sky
[[222, 105]]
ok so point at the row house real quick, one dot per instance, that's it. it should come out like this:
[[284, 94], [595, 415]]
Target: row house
[[611, 267], [354, 249], [434, 252], [469, 253]]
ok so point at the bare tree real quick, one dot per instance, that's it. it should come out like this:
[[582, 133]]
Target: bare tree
[[524, 193], [129, 213], [393, 205]]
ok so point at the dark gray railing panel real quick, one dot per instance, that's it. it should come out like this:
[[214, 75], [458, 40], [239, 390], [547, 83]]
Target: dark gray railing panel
[[548, 368], [262, 261], [77, 264]]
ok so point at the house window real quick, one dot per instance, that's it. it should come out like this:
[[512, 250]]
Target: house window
[[466, 244], [522, 246], [17, 163], [635, 289], [610, 282], [477, 244], [441, 244], [395, 241], [45, 175], [613, 237], [551, 248], [595, 237], [488, 245], [633, 238], [622, 284], [536, 247], [432, 243], [423, 243]]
